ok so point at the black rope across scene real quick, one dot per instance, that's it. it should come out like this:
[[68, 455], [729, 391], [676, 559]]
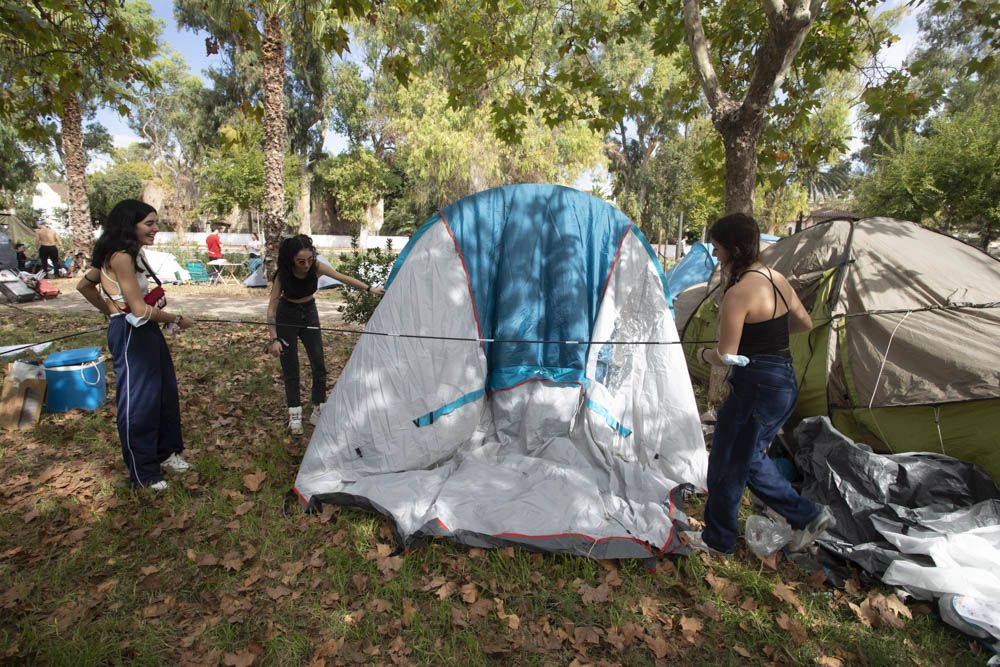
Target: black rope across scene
[[511, 341]]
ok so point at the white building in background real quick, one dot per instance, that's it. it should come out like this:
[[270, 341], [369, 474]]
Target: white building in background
[[52, 199]]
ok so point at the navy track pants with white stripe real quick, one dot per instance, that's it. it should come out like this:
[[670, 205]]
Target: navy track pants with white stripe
[[149, 415]]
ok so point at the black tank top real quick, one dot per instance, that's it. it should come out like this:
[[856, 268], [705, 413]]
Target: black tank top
[[299, 288], [770, 336]]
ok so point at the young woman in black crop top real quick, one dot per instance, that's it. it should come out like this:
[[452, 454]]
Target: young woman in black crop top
[[759, 309], [292, 308]]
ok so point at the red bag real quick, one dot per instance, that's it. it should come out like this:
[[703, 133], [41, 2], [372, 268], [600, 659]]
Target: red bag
[[47, 289], [156, 297]]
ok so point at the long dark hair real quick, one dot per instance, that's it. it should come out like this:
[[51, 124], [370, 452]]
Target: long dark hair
[[739, 236], [119, 231], [287, 251]]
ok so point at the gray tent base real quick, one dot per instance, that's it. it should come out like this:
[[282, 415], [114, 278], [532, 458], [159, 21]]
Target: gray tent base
[[576, 544]]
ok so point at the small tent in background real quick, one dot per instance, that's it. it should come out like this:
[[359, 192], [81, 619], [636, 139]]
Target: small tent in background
[[166, 267], [695, 267], [903, 354], [477, 432]]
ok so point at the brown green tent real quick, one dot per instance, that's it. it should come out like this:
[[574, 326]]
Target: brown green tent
[[905, 348]]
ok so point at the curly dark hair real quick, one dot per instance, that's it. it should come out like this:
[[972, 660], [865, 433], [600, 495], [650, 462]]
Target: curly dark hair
[[739, 235], [119, 231], [287, 251]]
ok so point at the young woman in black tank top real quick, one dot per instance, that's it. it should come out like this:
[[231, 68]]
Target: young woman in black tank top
[[759, 309], [290, 310]]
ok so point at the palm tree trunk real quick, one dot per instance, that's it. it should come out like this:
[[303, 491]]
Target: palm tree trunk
[[273, 57], [76, 173], [305, 196]]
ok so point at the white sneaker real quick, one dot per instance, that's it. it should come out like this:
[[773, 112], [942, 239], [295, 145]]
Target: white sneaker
[[295, 420], [159, 486], [694, 540], [176, 463], [314, 417], [803, 538]]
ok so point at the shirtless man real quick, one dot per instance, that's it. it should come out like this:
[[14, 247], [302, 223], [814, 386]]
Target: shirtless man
[[48, 249]]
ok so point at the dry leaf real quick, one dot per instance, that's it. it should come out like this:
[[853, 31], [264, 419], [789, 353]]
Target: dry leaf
[[242, 659], [243, 508], [658, 645], [253, 481], [792, 626], [446, 590], [738, 648], [277, 592], [787, 594], [469, 593], [690, 627], [591, 595], [829, 661]]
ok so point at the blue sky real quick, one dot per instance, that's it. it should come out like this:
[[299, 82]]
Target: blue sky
[[191, 45]]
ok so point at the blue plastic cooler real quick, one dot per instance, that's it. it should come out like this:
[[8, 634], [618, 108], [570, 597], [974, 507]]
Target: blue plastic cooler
[[75, 379]]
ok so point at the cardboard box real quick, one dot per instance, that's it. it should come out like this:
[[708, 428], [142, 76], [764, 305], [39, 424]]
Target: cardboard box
[[21, 400]]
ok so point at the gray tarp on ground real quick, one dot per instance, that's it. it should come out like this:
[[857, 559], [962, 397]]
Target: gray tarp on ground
[[871, 494]]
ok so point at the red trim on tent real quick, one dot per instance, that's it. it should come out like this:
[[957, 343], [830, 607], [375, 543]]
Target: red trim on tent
[[615, 261], [595, 540], [441, 523], [302, 498], [468, 280]]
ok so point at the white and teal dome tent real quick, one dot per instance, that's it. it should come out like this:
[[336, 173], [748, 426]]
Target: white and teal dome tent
[[478, 432]]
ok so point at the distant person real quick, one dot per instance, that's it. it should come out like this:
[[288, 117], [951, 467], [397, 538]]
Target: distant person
[[48, 249], [22, 257], [292, 308], [149, 416], [253, 247], [214, 244]]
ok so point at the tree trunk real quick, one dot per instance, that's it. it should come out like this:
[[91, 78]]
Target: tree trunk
[[305, 196], [75, 160], [375, 216], [740, 141], [273, 57]]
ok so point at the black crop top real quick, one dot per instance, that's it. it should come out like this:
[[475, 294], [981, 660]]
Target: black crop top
[[300, 288], [769, 336]]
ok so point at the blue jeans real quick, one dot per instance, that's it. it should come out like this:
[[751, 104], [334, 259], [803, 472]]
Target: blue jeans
[[761, 398]]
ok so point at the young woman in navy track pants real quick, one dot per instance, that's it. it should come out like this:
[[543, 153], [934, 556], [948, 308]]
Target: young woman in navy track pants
[[117, 284]]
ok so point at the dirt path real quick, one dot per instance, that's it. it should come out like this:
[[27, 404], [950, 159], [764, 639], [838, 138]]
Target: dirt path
[[250, 305]]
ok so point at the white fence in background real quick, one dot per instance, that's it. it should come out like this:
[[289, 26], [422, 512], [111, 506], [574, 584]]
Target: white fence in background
[[325, 241]]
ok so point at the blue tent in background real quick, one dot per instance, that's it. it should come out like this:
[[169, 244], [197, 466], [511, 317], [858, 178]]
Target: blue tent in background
[[696, 267]]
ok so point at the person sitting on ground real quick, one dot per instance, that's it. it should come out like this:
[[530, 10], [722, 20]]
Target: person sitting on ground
[[48, 248], [22, 257], [290, 310], [149, 417], [759, 309]]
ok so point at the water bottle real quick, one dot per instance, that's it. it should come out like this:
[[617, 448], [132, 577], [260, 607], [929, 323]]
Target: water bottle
[[764, 535]]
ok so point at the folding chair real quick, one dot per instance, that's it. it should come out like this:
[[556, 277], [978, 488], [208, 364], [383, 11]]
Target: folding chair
[[199, 274]]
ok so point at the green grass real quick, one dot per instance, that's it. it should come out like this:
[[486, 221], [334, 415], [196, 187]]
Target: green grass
[[148, 583]]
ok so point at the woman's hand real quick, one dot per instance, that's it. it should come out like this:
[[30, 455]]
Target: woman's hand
[[185, 322], [276, 348], [377, 290]]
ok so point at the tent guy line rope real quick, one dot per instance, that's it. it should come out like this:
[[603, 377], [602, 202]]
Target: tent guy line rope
[[515, 341], [525, 341]]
